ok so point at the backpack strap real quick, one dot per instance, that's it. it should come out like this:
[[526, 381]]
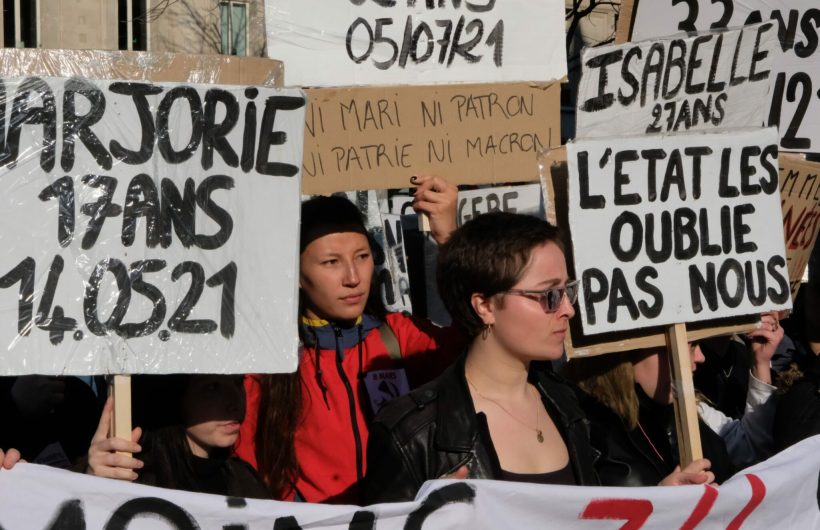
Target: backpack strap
[[390, 341]]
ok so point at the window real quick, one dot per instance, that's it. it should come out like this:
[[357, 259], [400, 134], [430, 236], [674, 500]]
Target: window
[[233, 27], [20, 23], [132, 12]]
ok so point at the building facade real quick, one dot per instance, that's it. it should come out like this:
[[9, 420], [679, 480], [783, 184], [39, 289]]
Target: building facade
[[229, 27]]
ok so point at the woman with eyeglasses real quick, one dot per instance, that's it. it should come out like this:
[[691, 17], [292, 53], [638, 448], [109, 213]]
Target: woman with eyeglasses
[[499, 412]]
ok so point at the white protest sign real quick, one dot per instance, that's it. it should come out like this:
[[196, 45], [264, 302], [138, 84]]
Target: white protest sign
[[679, 228], [677, 84], [387, 241], [148, 227], [525, 199], [383, 42], [396, 288], [778, 493], [795, 95]]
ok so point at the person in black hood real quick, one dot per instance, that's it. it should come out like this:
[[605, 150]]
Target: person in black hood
[[191, 423]]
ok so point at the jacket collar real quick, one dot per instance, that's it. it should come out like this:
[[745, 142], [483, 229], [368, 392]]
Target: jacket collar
[[323, 334], [457, 427], [556, 392]]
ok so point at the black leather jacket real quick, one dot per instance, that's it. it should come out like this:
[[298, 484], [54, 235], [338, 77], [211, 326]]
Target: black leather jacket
[[628, 458], [433, 431]]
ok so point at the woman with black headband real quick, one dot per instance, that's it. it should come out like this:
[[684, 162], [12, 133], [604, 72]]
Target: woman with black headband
[[307, 432]]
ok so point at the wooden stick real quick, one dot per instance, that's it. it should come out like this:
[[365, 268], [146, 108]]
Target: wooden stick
[[424, 223], [121, 419], [686, 411], [623, 29], [635, 341]]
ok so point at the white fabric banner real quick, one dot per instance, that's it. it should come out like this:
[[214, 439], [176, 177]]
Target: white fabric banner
[[385, 42], [148, 227], [795, 98], [779, 493]]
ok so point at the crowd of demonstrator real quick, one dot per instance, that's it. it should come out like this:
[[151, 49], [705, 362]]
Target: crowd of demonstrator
[[489, 397]]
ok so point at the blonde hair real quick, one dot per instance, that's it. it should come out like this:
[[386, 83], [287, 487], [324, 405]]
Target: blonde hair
[[610, 379]]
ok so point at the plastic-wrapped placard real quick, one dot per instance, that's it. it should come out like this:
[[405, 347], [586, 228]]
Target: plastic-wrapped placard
[[385, 42], [148, 227]]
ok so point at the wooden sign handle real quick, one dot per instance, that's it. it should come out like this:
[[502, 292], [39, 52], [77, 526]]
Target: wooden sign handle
[[686, 410], [424, 223], [623, 28], [121, 418]]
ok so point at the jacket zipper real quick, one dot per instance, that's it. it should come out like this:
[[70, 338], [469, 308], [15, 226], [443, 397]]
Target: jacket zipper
[[357, 437]]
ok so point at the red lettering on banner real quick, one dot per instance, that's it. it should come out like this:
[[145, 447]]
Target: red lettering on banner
[[758, 493], [710, 495], [634, 511]]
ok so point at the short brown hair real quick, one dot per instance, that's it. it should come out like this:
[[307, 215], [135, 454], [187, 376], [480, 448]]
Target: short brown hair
[[487, 255]]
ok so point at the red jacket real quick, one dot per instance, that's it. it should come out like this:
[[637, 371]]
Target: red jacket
[[331, 440]]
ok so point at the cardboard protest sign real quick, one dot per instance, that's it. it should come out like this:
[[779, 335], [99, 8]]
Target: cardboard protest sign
[[525, 199], [144, 66], [772, 494], [416, 43], [677, 84], [795, 98], [676, 228], [800, 197], [376, 138], [156, 232]]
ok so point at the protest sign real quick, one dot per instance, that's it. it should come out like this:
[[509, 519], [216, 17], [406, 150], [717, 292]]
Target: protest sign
[[525, 199], [686, 228], [778, 493], [138, 239], [677, 84], [795, 98], [376, 138], [387, 241], [396, 286], [554, 186], [143, 66], [416, 43], [800, 197]]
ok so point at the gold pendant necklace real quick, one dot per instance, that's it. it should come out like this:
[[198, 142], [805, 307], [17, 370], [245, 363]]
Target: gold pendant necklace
[[538, 434]]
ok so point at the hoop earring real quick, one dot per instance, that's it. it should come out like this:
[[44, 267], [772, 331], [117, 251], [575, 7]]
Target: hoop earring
[[486, 330]]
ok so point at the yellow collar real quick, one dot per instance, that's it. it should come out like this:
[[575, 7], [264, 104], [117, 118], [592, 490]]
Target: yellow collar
[[319, 322]]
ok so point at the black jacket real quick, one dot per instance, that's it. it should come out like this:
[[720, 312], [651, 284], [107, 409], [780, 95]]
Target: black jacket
[[66, 430], [628, 458], [798, 408], [433, 431]]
